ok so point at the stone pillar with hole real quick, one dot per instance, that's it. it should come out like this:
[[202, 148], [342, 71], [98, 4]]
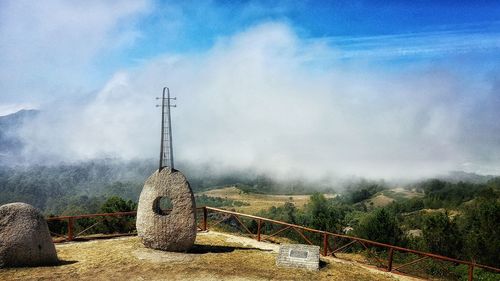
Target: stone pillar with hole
[[159, 228]]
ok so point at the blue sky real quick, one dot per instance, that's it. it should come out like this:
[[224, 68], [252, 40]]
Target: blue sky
[[390, 89], [196, 25], [389, 33]]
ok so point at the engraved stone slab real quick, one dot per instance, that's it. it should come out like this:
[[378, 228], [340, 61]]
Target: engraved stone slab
[[170, 231], [298, 255]]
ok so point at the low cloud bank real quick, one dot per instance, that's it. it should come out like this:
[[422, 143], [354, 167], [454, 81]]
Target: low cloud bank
[[264, 101]]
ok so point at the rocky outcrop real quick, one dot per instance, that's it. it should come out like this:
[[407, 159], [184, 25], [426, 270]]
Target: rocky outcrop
[[173, 230], [24, 237]]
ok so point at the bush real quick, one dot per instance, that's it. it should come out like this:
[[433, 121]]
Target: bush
[[480, 226], [381, 226], [441, 235], [362, 191], [118, 224], [322, 214]]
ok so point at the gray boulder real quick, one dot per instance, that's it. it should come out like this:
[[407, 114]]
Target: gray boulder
[[24, 237], [170, 231]]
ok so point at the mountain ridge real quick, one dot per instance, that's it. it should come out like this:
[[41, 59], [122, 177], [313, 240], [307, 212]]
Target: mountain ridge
[[11, 142]]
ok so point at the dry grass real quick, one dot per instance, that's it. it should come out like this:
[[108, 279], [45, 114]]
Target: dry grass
[[258, 201], [406, 193], [380, 201], [451, 213], [215, 257], [386, 197]]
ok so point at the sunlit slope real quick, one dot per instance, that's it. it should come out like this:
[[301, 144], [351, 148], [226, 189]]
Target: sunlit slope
[[258, 202], [386, 197]]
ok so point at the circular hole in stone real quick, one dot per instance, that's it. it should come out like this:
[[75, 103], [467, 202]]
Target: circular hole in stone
[[162, 206]]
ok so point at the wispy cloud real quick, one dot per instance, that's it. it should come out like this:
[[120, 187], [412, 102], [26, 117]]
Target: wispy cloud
[[252, 100], [467, 39], [251, 103], [49, 49]]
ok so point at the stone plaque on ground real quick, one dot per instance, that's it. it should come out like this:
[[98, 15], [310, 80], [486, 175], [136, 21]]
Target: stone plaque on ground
[[298, 255]]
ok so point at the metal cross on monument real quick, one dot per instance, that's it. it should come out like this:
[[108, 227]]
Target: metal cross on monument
[[166, 149]]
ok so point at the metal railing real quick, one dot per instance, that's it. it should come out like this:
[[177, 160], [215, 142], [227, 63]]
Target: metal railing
[[331, 243], [327, 250], [70, 236]]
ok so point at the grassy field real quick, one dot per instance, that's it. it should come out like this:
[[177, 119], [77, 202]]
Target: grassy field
[[386, 197], [258, 202], [215, 256]]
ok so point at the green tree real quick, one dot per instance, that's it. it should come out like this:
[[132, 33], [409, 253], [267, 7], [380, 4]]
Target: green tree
[[381, 226], [287, 213], [117, 204], [120, 224], [322, 214], [362, 191], [480, 225], [441, 235]]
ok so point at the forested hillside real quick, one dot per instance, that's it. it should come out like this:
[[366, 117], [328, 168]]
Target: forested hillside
[[82, 187], [58, 188], [459, 220]]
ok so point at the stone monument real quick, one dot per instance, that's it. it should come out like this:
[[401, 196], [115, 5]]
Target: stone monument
[[169, 230], [173, 230], [298, 255], [24, 237]]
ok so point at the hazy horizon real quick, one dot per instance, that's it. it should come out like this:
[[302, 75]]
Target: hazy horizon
[[291, 91]]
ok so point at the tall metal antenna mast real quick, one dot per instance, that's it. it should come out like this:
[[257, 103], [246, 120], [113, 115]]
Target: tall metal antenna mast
[[166, 149]]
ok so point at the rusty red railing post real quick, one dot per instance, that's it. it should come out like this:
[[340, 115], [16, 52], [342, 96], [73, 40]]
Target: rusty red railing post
[[389, 259], [333, 246], [259, 224], [205, 217], [471, 271], [70, 229], [325, 244]]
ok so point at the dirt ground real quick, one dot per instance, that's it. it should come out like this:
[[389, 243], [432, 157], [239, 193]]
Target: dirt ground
[[215, 256]]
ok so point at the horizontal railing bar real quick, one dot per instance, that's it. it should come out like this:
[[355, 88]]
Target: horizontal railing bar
[[99, 215], [117, 214]]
